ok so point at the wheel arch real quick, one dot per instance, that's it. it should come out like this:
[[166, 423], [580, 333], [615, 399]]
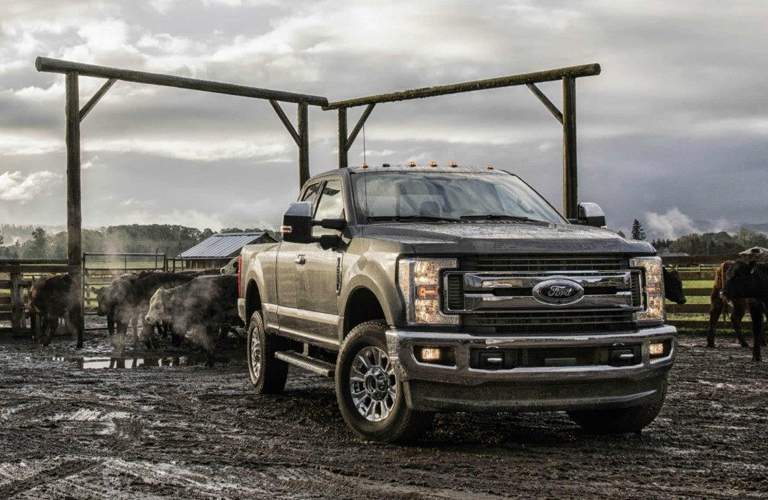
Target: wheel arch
[[362, 304]]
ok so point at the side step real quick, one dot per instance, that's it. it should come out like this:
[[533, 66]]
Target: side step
[[313, 365]]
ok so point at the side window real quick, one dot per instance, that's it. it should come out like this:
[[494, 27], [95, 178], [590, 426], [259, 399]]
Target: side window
[[331, 205], [310, 194]]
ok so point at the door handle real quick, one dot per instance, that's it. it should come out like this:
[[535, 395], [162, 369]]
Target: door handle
[[301, 259]]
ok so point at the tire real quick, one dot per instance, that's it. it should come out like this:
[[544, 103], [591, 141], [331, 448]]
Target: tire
[[620, 420], [269, 374], [390, 419]]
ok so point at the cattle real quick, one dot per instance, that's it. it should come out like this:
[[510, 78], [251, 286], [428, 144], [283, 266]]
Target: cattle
[[720, 302], [198, 309], [52, 298], [748, 281], [127, 298], [673, 286]]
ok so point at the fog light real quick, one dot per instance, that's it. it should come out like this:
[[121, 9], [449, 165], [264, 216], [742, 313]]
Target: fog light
[[430, 354], [656, 349]]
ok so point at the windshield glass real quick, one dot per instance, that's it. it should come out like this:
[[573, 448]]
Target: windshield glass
[[448, 196]]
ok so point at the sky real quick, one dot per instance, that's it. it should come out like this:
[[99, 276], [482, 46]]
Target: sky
[[673, 132]]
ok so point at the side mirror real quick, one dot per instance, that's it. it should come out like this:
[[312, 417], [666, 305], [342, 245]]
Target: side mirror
[[337, 224], [590, 214], [297, 223]]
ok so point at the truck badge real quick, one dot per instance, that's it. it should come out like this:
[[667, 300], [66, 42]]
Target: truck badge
[[558, 292]]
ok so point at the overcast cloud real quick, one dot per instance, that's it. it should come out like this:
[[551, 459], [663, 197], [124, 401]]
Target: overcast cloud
[[674, 131]]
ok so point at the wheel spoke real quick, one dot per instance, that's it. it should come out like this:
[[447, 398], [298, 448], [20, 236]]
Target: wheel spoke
[[373, 383]]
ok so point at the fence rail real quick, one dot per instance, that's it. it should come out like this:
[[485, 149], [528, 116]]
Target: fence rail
[[696, 268], [16, 277]]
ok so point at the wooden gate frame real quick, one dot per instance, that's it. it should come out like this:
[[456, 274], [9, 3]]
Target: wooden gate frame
[[75, 115]]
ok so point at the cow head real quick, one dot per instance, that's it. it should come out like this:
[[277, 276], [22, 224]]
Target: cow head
[[159, 307], [746, 280], [673, 286]]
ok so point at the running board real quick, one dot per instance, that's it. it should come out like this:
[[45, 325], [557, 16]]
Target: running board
[[310, 364]]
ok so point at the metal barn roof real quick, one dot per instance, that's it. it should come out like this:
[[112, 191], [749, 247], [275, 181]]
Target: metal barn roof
[[222, 246]]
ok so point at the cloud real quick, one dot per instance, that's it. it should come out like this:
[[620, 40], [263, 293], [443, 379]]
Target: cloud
[[14, 186], [674, 223]]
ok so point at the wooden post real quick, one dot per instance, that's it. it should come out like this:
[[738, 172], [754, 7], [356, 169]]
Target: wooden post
[[343, 160], [303, 144], [570, 176], [74, 218], [17, 304]]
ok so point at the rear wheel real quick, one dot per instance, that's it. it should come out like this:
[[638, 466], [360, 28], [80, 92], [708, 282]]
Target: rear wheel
[[369, 392], [620, 420], [268, 374]]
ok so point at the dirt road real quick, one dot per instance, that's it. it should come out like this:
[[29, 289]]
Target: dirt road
[[193, 432]]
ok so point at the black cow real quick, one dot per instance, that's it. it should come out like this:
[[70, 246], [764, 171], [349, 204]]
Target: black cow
[[52, 298], [673, 286], [199, 309], [749, 281]]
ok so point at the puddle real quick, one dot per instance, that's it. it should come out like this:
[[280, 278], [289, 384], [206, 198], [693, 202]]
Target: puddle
[[119, 363]]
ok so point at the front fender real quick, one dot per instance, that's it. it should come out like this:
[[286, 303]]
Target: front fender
[[377, 274]]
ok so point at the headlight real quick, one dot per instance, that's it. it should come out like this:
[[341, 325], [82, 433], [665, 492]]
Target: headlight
[[653, 288], [419, 281]]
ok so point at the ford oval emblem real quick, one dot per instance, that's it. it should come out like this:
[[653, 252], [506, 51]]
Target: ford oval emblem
[[558, 292]]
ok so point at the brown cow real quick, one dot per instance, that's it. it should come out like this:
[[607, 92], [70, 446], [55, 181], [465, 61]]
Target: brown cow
[[720, 303], [52, 298]]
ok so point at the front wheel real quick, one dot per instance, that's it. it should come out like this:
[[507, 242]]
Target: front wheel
[[268, 374], [620, 420], [368, 391]]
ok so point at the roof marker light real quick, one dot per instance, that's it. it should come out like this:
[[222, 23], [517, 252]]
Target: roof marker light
[[454, 164], [411, 163], [433, 163], [489, 167], [385, 165]]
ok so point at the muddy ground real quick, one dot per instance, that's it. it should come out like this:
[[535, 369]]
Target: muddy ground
[[187, 431]]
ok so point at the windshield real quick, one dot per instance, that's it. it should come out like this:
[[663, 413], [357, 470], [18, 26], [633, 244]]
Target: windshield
[[448, 196]]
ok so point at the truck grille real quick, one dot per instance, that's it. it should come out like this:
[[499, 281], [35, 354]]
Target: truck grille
[[549, 322], [509, 263], [494, 294]]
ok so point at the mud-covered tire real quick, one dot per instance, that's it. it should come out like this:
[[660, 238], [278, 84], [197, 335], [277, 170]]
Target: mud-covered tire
[[269, 375], [401, 424], [620, 420]]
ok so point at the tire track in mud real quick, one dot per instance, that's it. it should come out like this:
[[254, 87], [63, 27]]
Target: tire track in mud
[[194, 432], [44, 477]]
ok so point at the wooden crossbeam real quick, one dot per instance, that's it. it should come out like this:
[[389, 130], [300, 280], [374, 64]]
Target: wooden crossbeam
[[545, 100], [96, 98]]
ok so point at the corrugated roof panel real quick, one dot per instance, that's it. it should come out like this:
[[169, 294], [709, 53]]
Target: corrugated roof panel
[[221, 245]]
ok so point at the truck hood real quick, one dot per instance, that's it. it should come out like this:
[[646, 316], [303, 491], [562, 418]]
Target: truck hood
[[503, 237]]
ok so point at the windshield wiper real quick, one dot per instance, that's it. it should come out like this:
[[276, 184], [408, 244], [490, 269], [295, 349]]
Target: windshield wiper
[[416, 218], [516, 218]]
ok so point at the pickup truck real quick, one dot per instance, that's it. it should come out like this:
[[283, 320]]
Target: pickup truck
[[435, 289]]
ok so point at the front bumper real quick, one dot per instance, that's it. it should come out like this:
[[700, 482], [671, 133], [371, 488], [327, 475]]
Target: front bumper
[[462, 387]]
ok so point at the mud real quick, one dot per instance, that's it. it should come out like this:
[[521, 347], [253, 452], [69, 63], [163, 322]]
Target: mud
[[179, 429]]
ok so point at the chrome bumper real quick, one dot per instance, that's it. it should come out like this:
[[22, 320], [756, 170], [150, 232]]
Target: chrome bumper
[[461, 387]]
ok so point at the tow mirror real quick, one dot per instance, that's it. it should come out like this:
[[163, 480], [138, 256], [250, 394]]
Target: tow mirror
[[297, 223], [590, 214]]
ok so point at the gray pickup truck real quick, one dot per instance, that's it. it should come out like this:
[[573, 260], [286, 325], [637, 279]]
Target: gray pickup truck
[[433, 289]]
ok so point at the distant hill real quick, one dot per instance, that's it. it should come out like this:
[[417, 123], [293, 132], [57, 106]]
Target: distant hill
[[37, 242]]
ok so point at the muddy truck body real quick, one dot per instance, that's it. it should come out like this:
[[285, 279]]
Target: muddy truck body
[[434, 289]]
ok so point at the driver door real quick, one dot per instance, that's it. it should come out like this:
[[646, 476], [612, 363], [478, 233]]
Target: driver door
[[288, 258], [318, 275]]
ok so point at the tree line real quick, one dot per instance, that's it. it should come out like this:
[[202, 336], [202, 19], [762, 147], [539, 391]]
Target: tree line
[[136, 238]]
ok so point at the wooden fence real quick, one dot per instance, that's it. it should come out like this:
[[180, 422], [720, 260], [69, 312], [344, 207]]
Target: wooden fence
[[99, 269], [16, 276]]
